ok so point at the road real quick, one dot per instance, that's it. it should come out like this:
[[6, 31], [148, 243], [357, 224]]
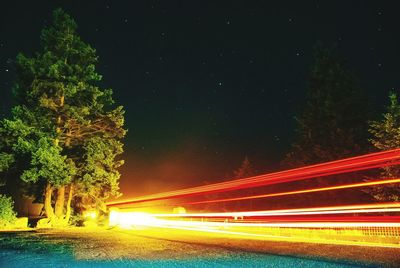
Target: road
[[83, 247]]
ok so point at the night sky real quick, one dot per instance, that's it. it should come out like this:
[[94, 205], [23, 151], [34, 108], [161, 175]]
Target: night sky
[[206, 83]]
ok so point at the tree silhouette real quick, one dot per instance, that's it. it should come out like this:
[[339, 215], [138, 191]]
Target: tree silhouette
[[333, 122]]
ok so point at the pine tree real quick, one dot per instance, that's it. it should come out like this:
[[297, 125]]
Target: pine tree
[[245, 170], [332, 124], [64, 133], [386, 136]]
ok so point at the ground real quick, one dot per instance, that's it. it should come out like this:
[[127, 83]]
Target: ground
[[86, 247]]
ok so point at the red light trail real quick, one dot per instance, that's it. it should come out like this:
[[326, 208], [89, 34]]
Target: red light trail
[[374, 160], [304, 191]]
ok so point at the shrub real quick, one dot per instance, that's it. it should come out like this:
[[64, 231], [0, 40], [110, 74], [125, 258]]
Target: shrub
[[7, 213]]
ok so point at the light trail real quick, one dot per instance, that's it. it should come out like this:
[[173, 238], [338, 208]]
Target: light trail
[[362, 208], [269, 237], [298, 231], [346, 186], [210, 224], [364, 223], [307, 218], [129, 219], [369, 161]]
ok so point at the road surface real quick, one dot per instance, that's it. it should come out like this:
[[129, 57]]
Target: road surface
[[152, 247]]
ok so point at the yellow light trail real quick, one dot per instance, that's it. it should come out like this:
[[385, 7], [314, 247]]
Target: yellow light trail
[[212, 224], [140, 218], [363, 208], [244, 230], [249, 235]]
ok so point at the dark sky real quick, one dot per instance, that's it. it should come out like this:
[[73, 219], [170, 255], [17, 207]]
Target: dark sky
[[206, 83]]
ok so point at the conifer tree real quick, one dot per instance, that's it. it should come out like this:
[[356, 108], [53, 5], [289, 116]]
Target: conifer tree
[[245, 170], [333, 122], [65, 132], [386, 136]]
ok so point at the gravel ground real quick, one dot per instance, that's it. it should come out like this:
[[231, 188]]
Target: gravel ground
[[82, 247]]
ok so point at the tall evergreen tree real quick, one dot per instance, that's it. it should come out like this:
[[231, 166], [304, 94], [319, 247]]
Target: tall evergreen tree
[[332, 124], [245, 170], [64, 133], [386, 136]]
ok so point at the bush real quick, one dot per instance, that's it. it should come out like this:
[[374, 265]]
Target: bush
[[7, 213]]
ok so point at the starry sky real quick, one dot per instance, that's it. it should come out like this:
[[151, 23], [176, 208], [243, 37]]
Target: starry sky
[[206, 83]]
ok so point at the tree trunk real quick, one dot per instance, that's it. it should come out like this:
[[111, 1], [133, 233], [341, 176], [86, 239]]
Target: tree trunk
[[47, 202], [68, 213], [59, 207]]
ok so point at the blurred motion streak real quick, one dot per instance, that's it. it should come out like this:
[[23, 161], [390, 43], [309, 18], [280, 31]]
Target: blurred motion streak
[[369, 161], [367, 224], [347, 186]]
